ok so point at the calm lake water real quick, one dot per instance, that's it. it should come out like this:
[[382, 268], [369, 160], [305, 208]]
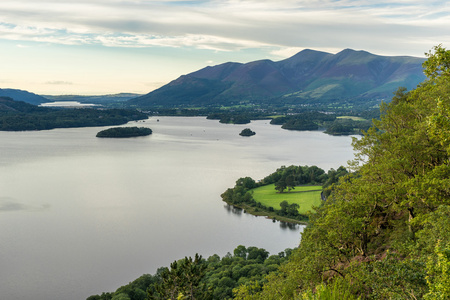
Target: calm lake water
[[81, 215]]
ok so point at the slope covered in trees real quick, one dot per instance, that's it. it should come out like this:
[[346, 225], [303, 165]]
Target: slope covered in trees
[[384, 233], [198, 278]]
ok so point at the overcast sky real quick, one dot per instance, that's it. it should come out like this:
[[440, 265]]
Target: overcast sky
[[111, 46]]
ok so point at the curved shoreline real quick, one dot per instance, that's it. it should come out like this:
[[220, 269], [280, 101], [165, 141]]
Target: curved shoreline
[[258, 212]]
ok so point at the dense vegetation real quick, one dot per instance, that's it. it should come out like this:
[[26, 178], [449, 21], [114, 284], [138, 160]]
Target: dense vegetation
[[284, 179], [347, 126], [18, 116], [124, 132], [315, 120], [213, 278], [247, 132], [384, 232], [303, 121], [230, 117]]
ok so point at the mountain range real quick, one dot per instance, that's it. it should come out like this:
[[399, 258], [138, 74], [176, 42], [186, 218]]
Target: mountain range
[[25, 96], [305, 77]]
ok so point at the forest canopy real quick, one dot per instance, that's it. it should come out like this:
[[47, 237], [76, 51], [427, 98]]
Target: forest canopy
[[384, 232]]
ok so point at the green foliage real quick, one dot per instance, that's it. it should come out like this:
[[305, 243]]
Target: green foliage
[[383, 232], [124, 132], [347, 127], [182, 279], [213, 278], [300, 124], [338, 290], [231, 118], [303, 121], [438, 63], [438, 274], [283, 178], [314, 120]]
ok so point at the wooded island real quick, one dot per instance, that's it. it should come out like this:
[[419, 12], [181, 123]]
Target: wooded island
[[124, 132]]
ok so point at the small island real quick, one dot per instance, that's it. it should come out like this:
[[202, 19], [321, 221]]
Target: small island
[[247, 132], [124, 132]]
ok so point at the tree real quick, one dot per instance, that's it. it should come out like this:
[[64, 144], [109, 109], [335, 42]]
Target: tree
[[290, 182], [240, 251], [438, 63], [281, 185], [246, 182], [182, 280]]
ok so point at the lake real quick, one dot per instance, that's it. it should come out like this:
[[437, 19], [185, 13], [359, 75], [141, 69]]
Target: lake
[[81, 215]]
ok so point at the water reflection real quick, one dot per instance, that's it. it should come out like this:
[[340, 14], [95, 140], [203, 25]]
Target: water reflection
[[286, 225], [232, 209], [239, 211]]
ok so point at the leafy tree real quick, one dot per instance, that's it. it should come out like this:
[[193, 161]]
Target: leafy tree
[[438, 274], [182, 279], [246, 182], [376, 234], [438, 63], [281, 185], [240, 251]]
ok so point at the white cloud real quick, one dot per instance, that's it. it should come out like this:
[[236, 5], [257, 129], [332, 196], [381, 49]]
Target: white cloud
[[224, 25], [59, 82]]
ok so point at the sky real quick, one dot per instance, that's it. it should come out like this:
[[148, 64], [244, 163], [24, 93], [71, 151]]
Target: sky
[[97, 47]]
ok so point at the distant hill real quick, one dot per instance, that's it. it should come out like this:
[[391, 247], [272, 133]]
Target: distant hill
[[96, 99], [21, 95], [19, 116], [9, 105], [307, 76]]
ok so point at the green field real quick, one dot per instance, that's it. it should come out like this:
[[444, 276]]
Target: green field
[[351, 118], [305, 196]]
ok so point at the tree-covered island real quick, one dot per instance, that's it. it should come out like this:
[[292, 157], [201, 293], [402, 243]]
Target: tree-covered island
[[124, 132], [247, 132]]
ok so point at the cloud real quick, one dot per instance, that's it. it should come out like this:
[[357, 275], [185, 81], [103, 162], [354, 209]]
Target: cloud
[[227, 25], [59, 82]]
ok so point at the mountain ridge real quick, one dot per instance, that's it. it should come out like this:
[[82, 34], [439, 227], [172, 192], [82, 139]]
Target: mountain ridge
[[308, 75], [22, 95]]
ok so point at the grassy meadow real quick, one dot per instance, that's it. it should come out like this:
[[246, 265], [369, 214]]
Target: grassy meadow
[[305, 196], [352, 118]]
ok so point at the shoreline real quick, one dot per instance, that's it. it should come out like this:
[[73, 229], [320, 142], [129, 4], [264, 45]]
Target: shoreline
[[258, 212]]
